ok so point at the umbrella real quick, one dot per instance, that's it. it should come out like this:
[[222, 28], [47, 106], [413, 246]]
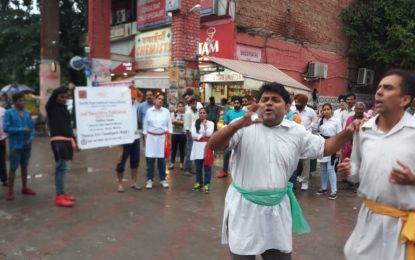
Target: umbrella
[[15, 88]]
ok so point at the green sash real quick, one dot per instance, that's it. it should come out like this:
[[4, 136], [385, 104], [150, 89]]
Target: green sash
[[274, 197]]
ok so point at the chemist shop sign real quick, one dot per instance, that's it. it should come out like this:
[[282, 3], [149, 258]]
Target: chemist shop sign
[[153, 49], [217, 40]]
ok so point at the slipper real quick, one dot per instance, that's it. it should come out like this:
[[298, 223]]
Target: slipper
[[135, 187]]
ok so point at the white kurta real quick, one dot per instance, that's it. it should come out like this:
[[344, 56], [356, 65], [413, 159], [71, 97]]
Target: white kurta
[[156, 121], [198, 148], [329, 128], [264, 158], [373, 157]]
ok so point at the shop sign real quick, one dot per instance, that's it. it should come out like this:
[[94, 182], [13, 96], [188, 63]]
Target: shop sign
[[152, 82], [151, 13], [174, 73], [103, 116], [218, 41], [225, 76], [172, 5], [153, 49], [247, 53], [117, 31], [207, 7], [101, 70]]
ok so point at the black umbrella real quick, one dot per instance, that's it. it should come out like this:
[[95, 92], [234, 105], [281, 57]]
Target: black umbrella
[[15, 88]]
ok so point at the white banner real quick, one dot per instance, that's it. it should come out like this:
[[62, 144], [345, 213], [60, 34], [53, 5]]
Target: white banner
[[103, 116]]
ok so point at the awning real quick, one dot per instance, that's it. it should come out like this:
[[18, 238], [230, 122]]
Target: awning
[[127, 82], [152, 79], [255, 74]]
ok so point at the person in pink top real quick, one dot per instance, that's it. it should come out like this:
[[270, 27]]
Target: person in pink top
[[3, 137]]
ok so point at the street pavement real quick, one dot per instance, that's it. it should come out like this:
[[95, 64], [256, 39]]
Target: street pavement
[[174, 223]]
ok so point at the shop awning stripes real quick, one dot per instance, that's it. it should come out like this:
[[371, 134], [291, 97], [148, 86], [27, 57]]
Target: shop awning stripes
[[259, 73]]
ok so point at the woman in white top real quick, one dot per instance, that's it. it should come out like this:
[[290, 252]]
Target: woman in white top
[[328, 126], [202, 129]]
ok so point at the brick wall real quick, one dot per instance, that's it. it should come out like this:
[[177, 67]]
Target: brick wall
[[185, 32], [99, 28], [316, 24]]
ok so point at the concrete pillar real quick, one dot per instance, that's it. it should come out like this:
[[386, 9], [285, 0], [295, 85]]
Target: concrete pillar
[[49, 77], [99, 29]]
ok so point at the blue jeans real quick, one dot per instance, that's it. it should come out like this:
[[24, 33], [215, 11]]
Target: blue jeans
[[187, 161], [19, 156], [226, 157], [327, 172], [161, 165], [199, 169], [60, 172]]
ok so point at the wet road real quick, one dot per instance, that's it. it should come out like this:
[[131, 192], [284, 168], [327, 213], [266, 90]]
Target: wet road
[[176, 223]]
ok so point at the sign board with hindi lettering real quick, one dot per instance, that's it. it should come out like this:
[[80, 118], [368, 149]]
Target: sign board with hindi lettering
[[104, 116], [153, 49]]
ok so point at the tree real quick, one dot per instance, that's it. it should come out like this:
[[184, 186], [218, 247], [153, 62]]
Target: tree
[[20, 41], [19, 44], [381, 32], [72, 24]]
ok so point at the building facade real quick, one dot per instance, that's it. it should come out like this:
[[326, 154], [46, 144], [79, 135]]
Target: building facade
[[164, 43]]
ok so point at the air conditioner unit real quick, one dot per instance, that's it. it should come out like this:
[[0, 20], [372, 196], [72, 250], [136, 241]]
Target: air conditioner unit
[[120, 16], [365, 77], [317, 70]]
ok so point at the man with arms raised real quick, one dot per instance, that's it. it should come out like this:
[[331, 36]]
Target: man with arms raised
[[383, 158], [258, 216]]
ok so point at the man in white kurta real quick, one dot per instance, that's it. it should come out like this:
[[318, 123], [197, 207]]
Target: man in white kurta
[[380, 152], [266, 152], [157, 123], [264, 159]]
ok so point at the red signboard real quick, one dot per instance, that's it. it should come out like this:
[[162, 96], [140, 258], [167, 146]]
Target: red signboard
[[207, 7], [218, 40], [151, 13]]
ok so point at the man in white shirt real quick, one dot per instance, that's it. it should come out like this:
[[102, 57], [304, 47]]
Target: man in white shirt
[[266, 152], [308, 116], [189, 117], [349, 111], [156, 126], [188, 97], [383, 158], [342, 106]]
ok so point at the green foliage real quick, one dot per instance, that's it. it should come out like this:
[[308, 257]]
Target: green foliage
[[20, 41], [381, 32], [19, 45]]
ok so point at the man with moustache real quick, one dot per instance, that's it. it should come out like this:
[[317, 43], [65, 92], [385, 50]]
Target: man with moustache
[[258, 216], [383, 159], [308, 116]]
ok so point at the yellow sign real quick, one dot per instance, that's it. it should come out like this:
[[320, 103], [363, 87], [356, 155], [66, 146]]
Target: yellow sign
[[174, 74], [153, 49]]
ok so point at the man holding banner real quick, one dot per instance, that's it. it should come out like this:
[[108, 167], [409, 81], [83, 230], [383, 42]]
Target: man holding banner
[[62, 142], [131, 150], [157, 128]]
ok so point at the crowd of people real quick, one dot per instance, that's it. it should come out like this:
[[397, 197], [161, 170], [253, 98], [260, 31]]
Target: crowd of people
[[270, 142]]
